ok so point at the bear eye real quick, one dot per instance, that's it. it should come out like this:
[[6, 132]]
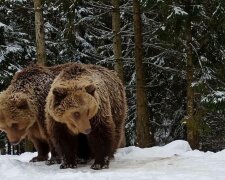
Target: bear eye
[[22, 105], [76, 115]]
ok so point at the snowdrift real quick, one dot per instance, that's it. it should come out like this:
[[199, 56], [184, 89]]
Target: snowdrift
[[175, 161]]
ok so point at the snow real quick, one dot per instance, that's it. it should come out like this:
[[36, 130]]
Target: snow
[[17, 1], [10, 48], [6, 28], [177, 11], [174, 161], [2, 25], [13, 48], [215, 97]]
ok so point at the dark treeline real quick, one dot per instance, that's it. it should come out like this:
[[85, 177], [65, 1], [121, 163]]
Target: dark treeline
[[183, 51]]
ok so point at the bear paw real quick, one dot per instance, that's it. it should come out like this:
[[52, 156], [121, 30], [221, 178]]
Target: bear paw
[[39, 158], [103, 165], [65, 165], [54, 160]]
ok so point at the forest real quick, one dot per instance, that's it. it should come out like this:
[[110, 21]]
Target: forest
[[169, 54]]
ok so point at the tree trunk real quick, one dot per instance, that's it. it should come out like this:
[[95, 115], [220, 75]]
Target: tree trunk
[[9, 148], [18, 149], [13, 150], [143, 129], [192, 125], [117, 48], [117, 41], [40, 37]]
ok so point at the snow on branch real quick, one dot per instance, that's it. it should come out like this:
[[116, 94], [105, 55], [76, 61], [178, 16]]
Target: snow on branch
[[215, 97], [177, 11]]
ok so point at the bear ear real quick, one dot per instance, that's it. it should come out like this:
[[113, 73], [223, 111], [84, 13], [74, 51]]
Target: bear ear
[[90, 89], [59, 92], [22, 103], [59, 95]]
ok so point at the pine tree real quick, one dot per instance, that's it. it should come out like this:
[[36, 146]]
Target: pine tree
[[117, 41], [117, 46], [143, 128], [192, 125], [39, 30]]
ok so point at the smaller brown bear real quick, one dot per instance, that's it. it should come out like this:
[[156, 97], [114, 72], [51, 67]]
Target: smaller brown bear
[[87, 99], [22, 108]]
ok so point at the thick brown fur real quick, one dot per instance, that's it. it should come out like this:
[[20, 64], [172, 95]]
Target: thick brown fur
[[22, 108], [87, 99]]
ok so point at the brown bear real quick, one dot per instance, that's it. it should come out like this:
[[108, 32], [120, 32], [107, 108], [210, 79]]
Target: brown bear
[[22, 108], [90, 100]]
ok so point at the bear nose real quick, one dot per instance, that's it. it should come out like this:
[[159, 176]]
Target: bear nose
[[88, 131], [14, 142]]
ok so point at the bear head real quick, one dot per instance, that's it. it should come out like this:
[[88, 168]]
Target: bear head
[[16, 115], [74, 104]]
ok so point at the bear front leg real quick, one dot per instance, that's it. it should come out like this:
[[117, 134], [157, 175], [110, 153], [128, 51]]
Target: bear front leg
[[68, 152], [42, 148], [83, 151], [55, 157], [65, 144], [102, 140]]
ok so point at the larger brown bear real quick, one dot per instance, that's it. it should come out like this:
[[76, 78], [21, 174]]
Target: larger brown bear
[[88, 99], [22, 108]]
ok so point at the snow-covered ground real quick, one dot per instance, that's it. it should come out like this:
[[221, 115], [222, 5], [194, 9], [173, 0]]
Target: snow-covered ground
[[175, 161]]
